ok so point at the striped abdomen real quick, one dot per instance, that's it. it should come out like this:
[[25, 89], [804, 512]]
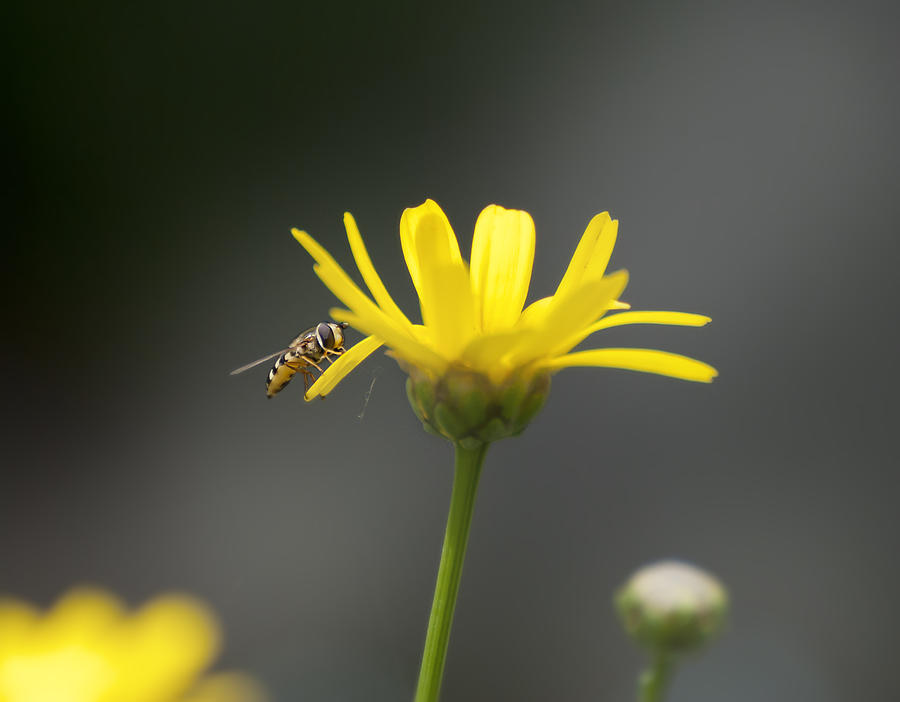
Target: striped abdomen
[[286, 365]]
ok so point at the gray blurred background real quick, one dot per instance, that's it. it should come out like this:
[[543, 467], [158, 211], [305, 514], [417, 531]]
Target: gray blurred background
[[160, 154]]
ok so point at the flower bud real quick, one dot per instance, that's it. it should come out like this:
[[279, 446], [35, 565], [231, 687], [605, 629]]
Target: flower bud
[[672, 607], [465, 407]]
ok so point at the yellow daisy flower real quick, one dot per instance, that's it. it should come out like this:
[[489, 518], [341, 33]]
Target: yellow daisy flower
[[89, 648], [475, 323], [480, 363]]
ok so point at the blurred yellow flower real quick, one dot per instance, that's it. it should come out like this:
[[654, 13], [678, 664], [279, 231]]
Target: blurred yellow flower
[[473, 316], [89, 648]]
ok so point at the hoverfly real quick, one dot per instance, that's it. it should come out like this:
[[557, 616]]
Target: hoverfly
[[325, 341]]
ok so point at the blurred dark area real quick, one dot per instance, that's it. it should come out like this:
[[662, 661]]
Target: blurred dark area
[[159, 154]]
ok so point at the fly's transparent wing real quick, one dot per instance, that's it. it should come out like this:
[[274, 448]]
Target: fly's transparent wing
[[258, 361]]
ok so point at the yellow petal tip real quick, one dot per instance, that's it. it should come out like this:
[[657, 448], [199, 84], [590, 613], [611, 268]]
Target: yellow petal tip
[[705, 374], [621, 274]]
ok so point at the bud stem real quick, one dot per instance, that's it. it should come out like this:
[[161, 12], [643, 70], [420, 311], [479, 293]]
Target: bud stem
[[655, 679], [459, 519]]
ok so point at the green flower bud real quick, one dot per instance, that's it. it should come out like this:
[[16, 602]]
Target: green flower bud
[[672, 607], [465, 407]]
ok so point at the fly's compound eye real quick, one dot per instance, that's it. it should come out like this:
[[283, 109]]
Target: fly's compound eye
[[325, 336], [338, 330]]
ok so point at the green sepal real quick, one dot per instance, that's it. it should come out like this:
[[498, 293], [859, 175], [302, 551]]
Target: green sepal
[[427, 426], [511, 400], [413, 399], [448, 422], [530, 408], [493, 430], [424, 392]]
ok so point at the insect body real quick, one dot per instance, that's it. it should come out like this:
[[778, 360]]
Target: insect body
[[325, 341]]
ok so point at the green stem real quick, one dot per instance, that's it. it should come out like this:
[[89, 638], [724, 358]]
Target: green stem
[[462, 504], [655, 679]]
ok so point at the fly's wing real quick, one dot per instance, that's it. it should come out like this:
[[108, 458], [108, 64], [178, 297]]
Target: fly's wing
[[258, 361]]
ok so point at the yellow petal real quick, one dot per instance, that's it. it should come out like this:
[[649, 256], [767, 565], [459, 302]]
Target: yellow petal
[[423, 335], [60, 673], [583, 305], [488, 353], [334, 277], [174, 637], [502, 256], [338, 281], [427, 222], [314, 248], [592, 254], [82, 614], [448, 306], [535, 312], [606, 242], [17, 621], [565, 314], [368, 272], [643, 360], [440, 276], [342, 366], [681, 319], [407, 347]]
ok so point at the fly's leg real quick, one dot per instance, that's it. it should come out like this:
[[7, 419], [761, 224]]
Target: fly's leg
[[333, 352], [304, 365], [306, 378]]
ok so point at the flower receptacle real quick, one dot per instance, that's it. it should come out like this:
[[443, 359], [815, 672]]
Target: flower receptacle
[[467, 408]]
